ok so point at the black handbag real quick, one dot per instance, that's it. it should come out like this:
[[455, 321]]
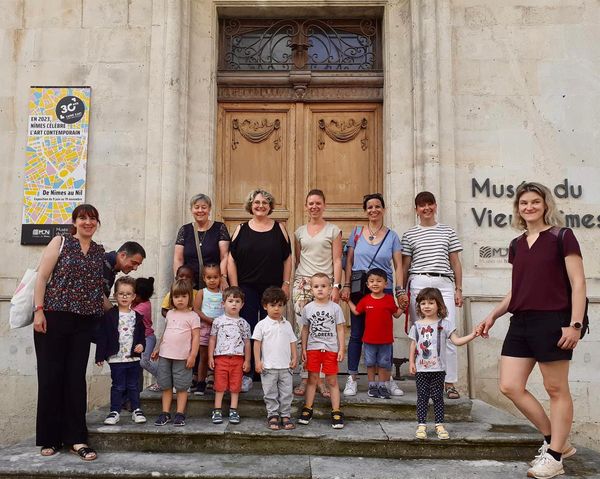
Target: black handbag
[[358, 278]]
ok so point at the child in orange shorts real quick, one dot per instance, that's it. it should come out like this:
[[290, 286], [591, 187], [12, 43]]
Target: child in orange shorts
[[229, 353], [323, 326]]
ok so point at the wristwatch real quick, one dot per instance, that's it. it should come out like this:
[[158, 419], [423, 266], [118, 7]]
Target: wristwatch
[[577, 325], [337, 285]]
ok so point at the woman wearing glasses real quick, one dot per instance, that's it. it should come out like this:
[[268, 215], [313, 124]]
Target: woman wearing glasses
[[259, 257], [371, 246], [547, 303]]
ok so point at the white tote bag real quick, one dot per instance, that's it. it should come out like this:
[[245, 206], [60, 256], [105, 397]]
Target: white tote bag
[[22, 302]]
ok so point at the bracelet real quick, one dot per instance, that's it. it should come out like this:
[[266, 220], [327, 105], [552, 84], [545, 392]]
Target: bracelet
[[286, 282], [458, 289], [400, 291], [224, 276]]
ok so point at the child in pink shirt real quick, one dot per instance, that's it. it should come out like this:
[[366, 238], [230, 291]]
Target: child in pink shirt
[[177, 352]]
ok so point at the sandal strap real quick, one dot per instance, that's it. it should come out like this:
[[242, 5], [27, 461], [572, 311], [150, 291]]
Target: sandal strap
[[84, 451]]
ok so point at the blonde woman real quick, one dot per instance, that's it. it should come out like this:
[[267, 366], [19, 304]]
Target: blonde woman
[[317, 249], [547, 303]]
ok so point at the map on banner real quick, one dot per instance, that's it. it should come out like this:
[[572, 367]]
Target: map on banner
[[55, 171]]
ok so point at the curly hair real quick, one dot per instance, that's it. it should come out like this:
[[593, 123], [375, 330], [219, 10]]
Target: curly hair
[[436, 295], [253, 194]]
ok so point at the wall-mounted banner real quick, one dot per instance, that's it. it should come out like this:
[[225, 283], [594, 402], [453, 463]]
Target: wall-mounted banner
[[56, 160]]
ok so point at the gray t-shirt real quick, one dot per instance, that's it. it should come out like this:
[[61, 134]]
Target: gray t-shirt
[[427, 335], [322, 321]]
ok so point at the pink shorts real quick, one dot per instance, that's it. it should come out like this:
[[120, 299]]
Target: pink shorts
[[228, 373], [318, 360], [204, 333]]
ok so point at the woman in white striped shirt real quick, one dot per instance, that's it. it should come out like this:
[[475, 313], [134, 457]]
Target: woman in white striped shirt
[[430, 258]]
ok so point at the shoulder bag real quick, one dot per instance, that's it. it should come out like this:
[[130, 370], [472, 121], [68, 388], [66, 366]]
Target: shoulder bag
[[358, 278]]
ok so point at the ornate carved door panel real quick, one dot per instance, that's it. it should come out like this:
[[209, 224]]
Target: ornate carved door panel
[[289, 148], [256, 148]]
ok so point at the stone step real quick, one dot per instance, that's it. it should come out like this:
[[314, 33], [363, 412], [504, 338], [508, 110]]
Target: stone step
[[382, 438], [355, 407], [24, 462]]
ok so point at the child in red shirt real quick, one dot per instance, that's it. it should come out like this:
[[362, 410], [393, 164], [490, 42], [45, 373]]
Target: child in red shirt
[[378, 339]]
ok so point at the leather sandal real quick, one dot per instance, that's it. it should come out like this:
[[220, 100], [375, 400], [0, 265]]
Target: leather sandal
[[452, 393], [86, 453], [48, 451], [273, 423]]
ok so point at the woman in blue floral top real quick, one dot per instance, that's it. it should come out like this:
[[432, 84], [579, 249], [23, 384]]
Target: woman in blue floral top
[[66, 310]]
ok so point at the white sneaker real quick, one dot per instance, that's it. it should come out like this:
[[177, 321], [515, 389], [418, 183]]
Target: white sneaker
[[351, 387], [246, 383], [394, 389], [112, 418], [138, 416], [568, 451], [546, 467]]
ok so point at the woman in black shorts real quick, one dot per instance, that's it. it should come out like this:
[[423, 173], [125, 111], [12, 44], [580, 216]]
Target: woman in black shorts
[[547, 303]]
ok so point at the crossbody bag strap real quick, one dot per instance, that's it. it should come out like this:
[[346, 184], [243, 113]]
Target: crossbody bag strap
[[377, 252], [199, 252]]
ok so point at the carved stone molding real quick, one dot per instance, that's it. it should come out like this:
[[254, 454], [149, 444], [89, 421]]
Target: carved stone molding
[[343, 131], [299, 93], [256, 131]]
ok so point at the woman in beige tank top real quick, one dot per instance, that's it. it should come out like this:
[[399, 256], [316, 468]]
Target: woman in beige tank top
[[317, 249]]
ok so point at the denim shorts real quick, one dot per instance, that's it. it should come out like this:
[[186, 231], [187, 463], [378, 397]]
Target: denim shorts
[[378, 355]]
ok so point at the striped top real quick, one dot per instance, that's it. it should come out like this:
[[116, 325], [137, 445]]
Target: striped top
[[430, 248]]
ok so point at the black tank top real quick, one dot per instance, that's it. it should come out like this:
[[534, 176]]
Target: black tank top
[[259, 256]]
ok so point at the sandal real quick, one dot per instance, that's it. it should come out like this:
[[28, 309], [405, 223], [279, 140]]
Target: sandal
[[48, 451], [86, 453], [273, 423], [324, 391], [287, 424], [452, 393], [300, 390]]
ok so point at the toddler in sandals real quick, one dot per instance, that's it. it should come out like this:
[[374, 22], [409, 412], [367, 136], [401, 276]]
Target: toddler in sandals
[[275, 358]]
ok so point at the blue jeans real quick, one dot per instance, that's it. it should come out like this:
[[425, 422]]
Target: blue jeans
[[357, 329], [125, 378]]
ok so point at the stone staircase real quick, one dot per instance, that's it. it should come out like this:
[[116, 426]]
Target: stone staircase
[[377, 442]]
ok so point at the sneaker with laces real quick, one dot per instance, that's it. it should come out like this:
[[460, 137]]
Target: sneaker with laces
[[234, 416], [112, 418], [441, 432], [351, 387], [337, 419], [246, 384], [179, 419], [383, 392], [421, 432], [162, 419], [546, 467], [568, 451], [306, 415], [155, 388], [138, 416], [373, 391], [217, 416], [394, 389], [200, 389]]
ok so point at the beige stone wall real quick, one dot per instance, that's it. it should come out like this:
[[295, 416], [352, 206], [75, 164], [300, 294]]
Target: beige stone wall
[[524, 88], [473, 89]]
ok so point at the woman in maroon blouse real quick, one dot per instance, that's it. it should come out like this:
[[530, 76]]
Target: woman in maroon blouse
[[547, 303], [66, 311]]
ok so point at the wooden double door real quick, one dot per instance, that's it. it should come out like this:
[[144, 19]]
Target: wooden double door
[[289, 148]]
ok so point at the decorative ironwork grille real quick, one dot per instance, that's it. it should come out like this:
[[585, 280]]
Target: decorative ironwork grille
[[313, 44]]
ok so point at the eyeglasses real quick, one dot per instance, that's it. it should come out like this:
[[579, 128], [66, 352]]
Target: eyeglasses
[[125, 295]]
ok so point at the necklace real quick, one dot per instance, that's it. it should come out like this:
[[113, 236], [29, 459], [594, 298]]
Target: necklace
[[373, 235], [201, 238]]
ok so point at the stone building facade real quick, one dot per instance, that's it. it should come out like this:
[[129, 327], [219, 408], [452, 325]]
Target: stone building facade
[[475, 96]]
